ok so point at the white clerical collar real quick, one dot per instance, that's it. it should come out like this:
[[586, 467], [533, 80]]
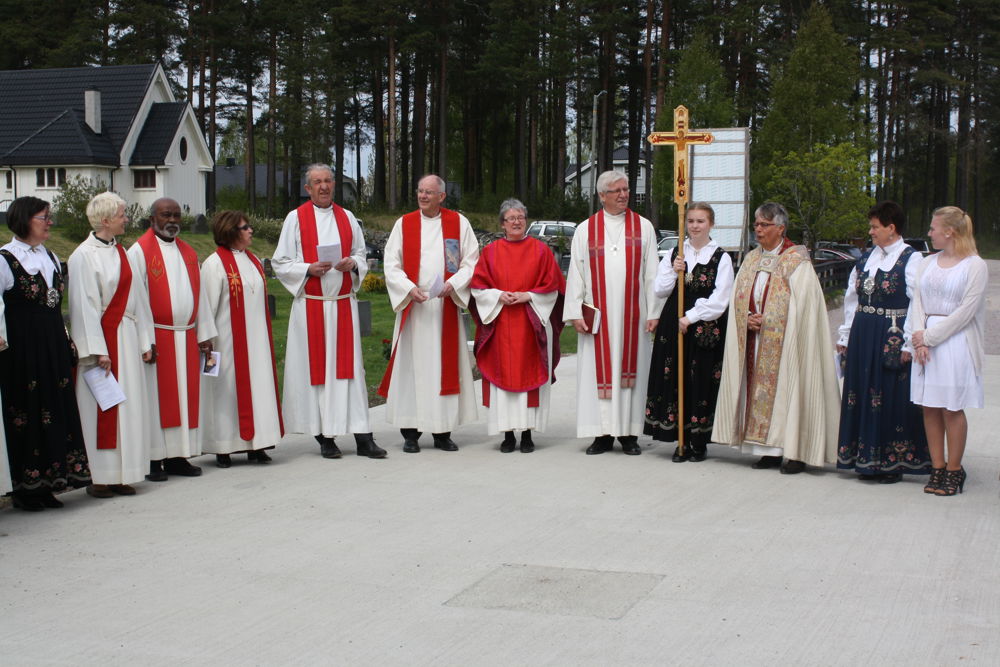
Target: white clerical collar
[[431, 217], [614, 215], [775, 250]]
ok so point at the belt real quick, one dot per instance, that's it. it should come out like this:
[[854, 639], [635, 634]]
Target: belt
[[887, 312], [336, 297], [169, 327], [129, 315]]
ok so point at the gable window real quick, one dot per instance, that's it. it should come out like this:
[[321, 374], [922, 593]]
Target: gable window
[[50, 178], [184, 149], [144, 179], [9, 179]]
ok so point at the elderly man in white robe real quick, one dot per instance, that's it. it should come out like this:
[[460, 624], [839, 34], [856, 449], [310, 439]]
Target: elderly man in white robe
[[325, 391], [612, 272], [112, 328], [167, 269], [430, 257], [779, 395]]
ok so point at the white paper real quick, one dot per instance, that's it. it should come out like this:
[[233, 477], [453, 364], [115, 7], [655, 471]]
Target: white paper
[[329, 253], [211, 370], [105, 388], [436, 287]]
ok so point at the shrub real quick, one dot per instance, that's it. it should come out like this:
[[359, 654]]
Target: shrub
[[373, 283], [70, 206]]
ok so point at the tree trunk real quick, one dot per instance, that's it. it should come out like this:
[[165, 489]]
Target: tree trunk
[[393, 190]]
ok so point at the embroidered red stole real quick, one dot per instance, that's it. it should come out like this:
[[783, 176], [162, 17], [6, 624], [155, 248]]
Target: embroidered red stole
[[315, 326], [166, 362], [633, 263], [241, 355], [512, 350], [450, 231], [107, 420]]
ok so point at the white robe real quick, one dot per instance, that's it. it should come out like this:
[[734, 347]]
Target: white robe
[[624, 413], [337, 407], [509, 410], [806, 416], [220, 419], [414, 399], [93, 278], [177, 441], [5, 482]]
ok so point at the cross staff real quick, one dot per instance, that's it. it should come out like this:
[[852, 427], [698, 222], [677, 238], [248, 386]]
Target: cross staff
[[680, 138]]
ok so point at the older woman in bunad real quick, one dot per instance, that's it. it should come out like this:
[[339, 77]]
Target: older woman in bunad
[[242, 409], [112, 328], [881, 431], [946, 318], [44, 442], [517, 292], [708, 277]]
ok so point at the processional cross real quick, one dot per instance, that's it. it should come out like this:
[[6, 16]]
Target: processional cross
[[680, 138]]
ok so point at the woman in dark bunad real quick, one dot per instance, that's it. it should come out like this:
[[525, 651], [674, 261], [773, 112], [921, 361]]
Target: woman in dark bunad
[[881, 431], [708, 278], [45, 444]]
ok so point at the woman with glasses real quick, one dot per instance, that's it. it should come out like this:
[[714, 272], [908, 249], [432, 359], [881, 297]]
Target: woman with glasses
[[946, 318], [45, 446], [517, 292], [243, 413]]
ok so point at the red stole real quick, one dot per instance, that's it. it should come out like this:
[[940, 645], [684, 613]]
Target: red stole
[[450, 231], [315, 326], [241, 355], [512, 350], [107, 420], [633, 262], [159, 302]]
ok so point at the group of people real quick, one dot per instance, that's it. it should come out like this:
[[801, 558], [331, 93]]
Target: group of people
[[191, 347]]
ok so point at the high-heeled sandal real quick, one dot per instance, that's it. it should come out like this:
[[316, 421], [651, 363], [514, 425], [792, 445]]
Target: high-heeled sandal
[[934, 483], [954, 481]]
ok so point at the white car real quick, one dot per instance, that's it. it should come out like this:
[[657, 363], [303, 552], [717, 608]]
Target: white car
[[665, 246], [552, 230]]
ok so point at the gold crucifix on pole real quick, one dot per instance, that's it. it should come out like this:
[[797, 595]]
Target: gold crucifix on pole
[[680, 138]]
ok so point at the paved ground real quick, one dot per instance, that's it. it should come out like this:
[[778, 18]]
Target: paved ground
[[551, 558]]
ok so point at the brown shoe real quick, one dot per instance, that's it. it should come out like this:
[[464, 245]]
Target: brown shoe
[[100, 491], [122, 489]]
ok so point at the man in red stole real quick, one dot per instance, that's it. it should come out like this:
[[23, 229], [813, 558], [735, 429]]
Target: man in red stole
[[166, 270], [429, 260], [325, 392], [779, 394], [612, 270]]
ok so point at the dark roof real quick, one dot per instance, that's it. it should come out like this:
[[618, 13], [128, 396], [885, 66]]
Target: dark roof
[[157, 134], [41, 117]]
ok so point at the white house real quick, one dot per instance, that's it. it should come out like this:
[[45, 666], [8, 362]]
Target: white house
[[119, 124], [620, 162]]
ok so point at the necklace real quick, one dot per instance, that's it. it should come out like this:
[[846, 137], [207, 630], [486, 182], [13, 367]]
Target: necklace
[[614, 247]]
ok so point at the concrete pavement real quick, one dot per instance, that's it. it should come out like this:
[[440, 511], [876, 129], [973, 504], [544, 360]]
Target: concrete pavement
[[477, 557]]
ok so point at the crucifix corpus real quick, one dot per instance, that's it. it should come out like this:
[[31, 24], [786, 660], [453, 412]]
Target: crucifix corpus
[[680, 138]]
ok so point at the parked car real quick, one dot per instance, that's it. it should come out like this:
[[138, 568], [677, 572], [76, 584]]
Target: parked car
[[851, 250], [665, 233], [665, 245], [831, 255], [920, 245], [550, 231]]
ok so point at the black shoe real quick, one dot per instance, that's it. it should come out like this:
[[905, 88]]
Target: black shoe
[[766, 462], [28, 503], [792, 467], [49, 500], [122, 489], [260, 456], [367, 447], [630, 445], [509, 443], [527, 444], [328, 448], [445, 443], [411, 446], [890, 478], [156, 473], [181, 466], [678, 457], [601, 444], [223, 460], [698, 453]]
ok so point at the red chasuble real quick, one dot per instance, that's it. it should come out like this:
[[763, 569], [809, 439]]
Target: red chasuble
[[512, 350], [315, 326], [107, 420], [451, 237], [241, 355], [630, 332], [163, 314]]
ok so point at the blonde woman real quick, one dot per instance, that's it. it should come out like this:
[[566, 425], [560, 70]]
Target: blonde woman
[[946, 319]]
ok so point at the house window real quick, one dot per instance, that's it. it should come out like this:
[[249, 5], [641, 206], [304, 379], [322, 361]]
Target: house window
[[50, 178], [184, 149], [143, 179], [9, 178], [640, 199]]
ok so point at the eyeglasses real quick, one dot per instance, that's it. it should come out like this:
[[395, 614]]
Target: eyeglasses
[[245, 227], [764, 225], [427, 192], [516, 218], [43, 218], [618, 191]]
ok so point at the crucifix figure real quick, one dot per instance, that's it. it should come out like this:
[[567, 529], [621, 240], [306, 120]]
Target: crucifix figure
[[680, 138]]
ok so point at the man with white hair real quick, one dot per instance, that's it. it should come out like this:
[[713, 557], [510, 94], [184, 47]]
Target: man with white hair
[[112, 328], [779, 394], [430, 257], [612, 270], [167, 269], [325, 390]]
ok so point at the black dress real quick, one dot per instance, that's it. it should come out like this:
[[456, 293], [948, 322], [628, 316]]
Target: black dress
[[44, 439], [704, 344]]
